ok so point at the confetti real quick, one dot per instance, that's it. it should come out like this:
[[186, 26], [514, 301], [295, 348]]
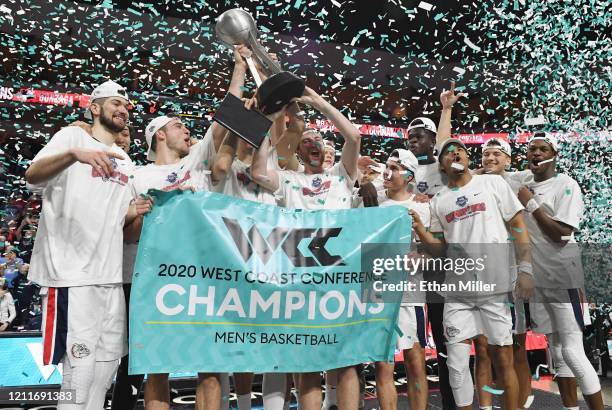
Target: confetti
[[492, 390]]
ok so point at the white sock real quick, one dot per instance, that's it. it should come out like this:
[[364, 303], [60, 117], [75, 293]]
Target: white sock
[[330, 397], [274, 385], [244, 402], [571, 408], [486, 407]]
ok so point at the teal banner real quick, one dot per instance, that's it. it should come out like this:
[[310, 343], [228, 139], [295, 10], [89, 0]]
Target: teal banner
[[222, 284]]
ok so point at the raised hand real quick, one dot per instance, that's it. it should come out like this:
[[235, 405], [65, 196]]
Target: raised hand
[[241, 53], [449, 98], [311, 98]]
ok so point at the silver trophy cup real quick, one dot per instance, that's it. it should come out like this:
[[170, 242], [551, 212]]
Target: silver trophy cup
[[235, 27]]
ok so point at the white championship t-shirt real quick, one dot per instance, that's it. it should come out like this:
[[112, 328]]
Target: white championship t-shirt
[[556, 266], [239, 183], [80, 232], [428, 179], [421, 208], [475, 215], [191, 170], [331, 189]]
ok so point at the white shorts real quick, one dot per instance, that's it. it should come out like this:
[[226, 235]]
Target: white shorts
[[86, 322], [412, 321], [555, 310], [490, 317]]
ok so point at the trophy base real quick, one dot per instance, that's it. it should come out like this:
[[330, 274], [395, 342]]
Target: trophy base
[[278, 91]]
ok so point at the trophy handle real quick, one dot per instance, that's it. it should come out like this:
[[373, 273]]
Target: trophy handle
[[254, 71]]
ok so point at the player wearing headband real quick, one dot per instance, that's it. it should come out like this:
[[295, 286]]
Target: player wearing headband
[[77, 253], [496, 159], [554, 209], [459, 213], [412, 320], [317, 188]]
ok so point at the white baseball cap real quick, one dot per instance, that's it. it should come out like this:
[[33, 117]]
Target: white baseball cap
[[152, 128], [448, 142], [498, 143], [405, 158], [422, 122], [546, 137], [105, 90]]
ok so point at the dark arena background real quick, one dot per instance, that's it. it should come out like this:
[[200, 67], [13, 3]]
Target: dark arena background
[[525, 65]]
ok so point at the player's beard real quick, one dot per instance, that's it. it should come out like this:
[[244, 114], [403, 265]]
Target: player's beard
[[108, 123]]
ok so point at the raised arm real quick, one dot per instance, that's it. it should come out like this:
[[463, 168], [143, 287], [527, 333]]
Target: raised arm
[[236, 88], [448, 99], [352, 137], [262, 175], [224, 158], [287, 144]]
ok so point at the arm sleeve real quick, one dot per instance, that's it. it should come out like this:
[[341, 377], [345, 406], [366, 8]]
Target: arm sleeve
[[569, 206]]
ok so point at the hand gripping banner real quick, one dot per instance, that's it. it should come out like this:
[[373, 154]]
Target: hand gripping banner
[[222, 284]]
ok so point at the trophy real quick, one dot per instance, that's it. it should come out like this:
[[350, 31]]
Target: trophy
[[236, 26]]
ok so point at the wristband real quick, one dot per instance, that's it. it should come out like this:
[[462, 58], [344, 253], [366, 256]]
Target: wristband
[[525, 267], [532, 205]]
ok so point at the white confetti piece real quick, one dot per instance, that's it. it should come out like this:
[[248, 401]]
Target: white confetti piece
[[425, 6], [459, 70], [539, 120], [471, 45]]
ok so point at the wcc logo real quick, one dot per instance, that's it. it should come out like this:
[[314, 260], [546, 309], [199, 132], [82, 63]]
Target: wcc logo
[[422, 186], [288, 239]]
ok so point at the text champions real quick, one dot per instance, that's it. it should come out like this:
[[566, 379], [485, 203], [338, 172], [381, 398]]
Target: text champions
[[281, 304]]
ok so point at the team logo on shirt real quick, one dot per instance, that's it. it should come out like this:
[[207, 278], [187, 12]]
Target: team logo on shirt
[[320, 188], [116, 176], [422, 186], [462, 200], [79, 350], [175, 182], [172, 177]]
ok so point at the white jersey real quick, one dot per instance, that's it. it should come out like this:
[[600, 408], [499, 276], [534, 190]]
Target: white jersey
[[331, 189], [517, 180], [428, 179], [556, 266], [423, 210], [191, 170], [80, 233], [476, 214], [239, 183]]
